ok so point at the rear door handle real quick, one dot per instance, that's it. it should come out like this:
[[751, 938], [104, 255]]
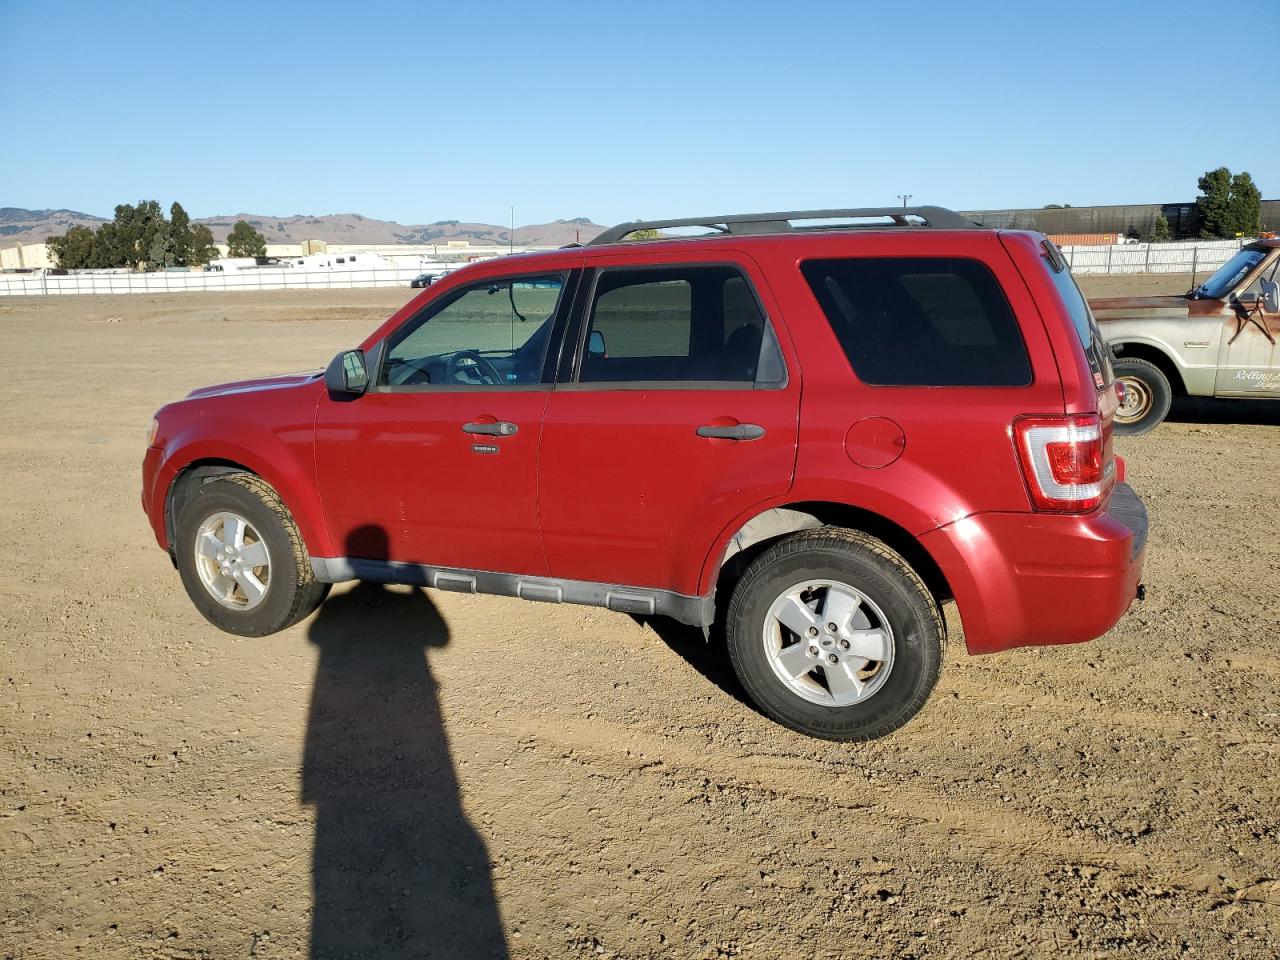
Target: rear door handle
[[739, 431], [492, 428]]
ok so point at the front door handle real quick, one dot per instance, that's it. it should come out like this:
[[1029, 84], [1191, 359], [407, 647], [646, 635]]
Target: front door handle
[[491, 428], [739, 431]]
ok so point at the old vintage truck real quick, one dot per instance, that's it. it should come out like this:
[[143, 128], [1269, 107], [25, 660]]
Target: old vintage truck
[[1218, 340]]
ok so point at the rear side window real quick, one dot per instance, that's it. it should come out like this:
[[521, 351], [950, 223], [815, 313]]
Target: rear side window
[[679, 325], [921, 321]]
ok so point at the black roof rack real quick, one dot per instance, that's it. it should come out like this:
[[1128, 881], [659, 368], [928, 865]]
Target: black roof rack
[[781, 222]]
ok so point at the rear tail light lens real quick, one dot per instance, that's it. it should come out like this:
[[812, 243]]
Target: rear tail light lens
[[1067, 461]]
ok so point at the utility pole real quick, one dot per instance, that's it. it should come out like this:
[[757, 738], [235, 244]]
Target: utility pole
[[904, 197], [511, 237]]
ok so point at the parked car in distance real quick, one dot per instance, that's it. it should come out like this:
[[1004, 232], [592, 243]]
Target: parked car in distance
[[423, 280], [1218, 340], [808, 430]]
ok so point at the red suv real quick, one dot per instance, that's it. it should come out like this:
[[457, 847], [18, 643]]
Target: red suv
[[812, 428]]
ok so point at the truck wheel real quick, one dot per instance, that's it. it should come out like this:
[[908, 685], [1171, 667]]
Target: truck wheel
[[242, 559], [834, 635], [1147, 396]]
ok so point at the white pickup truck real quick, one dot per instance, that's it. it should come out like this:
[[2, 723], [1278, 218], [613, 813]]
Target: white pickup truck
[[1218, 340]]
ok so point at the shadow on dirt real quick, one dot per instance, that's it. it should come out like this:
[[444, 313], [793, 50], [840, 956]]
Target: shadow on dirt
[[709, 657], [1207, 410], [398, 870]]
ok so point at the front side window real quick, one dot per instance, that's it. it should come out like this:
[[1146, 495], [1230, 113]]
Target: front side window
[[921, 321], [679, 325], [491, 334]]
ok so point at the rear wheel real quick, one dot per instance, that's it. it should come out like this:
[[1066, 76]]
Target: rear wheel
[[834, 635], [242, 559], [1147, 396]]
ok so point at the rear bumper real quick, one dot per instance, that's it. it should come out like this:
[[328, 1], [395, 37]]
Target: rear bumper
[[1027, 579]]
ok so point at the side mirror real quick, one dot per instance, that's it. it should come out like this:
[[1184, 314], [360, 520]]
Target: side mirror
[[346, 374], [595, 345], [1271, 296]]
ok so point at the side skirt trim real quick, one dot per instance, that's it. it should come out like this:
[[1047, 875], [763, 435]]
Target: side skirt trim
[[644, 601]]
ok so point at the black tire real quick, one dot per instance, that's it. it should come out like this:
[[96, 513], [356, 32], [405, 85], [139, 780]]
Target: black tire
[[292, 591], [1151, 387], [861, 561]]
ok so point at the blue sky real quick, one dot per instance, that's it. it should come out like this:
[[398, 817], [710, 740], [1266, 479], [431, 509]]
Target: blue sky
[[427, 111]]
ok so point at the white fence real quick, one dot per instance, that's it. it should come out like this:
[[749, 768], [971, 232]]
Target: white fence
[[1200, 257], [276, 278]]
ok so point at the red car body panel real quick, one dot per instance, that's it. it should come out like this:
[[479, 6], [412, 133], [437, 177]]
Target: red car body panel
[[267, 430], [1033, 579], [610, 485], [399, 462]]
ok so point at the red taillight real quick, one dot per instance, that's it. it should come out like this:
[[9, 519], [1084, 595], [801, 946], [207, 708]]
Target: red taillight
[[1066, 460]]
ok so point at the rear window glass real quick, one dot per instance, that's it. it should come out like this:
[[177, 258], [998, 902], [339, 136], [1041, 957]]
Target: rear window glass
[[1081, 316], [921, 321]]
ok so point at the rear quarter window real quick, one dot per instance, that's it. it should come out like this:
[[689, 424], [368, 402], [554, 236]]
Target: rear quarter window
[[921, 321], [1082, 320]]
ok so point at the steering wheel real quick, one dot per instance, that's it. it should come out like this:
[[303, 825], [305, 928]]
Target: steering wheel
[[413, 372], [473, 361]]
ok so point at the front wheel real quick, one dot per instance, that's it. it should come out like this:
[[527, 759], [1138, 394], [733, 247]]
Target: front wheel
[[1147, 396], [833, 635], [242, 559]]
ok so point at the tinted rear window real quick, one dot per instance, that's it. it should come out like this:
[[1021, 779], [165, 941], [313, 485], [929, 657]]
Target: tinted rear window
[[1082, 319], [921, 321]]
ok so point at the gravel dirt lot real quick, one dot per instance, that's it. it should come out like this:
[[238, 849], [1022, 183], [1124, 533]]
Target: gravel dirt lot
[[416, 774]]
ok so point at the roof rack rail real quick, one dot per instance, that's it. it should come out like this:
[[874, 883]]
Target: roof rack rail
[[781, 222]]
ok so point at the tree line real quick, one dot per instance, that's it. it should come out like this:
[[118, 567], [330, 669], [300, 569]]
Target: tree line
[[142, 238]]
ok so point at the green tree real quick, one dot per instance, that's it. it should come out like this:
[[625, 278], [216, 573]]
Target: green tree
[[202, 248], [180, 234], [106, 248], [1160, 232], [645, 234], [1213, 205], [244, 241], [1228, 206], [137, 229], [1244, 209], [161, 253], [74, 249]]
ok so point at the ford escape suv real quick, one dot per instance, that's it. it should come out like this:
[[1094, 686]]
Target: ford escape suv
[[812, 429]]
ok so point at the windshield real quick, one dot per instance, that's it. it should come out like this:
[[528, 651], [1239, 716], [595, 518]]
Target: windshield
[[1229, 274]]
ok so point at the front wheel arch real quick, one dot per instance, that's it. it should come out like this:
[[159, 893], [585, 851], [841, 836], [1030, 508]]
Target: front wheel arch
[[195, 463], [185, 484], [1157, 358]]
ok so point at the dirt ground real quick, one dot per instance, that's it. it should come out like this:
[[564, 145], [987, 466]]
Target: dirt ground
[[371, 783]]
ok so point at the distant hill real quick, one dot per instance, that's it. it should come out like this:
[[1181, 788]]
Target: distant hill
[[35, 226]]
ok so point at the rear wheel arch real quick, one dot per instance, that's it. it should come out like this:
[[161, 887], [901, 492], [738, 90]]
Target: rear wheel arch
[[767, 527]]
